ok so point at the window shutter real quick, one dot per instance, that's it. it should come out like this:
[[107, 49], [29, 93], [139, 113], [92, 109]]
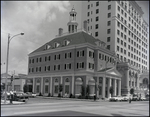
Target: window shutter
[[77, 53], [82, 64], [83, 53], [65, 55], [70, 54], [70, 66]]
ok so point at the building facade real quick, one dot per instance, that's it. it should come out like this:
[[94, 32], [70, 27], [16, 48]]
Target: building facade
[[120, 24], [76, 61], [16, 84]]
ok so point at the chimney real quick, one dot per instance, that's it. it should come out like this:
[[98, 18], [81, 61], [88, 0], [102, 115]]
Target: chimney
[[60, 31], [85, 25]]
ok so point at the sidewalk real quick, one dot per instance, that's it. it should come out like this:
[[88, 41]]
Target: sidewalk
[[75, 99], [14, 102]]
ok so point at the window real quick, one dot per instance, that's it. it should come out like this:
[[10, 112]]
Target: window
[[108, 23], [117, 48], [97, 11], [109, 15], [118, 8], [128, 53], [108, 47], [108, 39], [96, 26], [118, 16], [129, 47], [109, 7], [118, 32], [124, 36], [121, 42], [32, 60], [80, 53], [124, 51], [122, 11], [108, 31], [88, 6], [91, 66], [91, 54], [68, 55], [118, 23], [97, 18], [56, 67], [88, 14], [124, 44], [121, 34], [96, 34], [125, 15], [80, 65], [118, 40], [97, 3], [67, 66], [57, 57]]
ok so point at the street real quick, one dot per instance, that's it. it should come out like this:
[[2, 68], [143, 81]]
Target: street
[[59, 107]]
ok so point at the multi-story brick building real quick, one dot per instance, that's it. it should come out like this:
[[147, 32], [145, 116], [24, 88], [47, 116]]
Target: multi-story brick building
[[74, 60]]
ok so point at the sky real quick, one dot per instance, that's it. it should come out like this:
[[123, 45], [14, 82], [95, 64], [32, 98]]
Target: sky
[[39, 21]]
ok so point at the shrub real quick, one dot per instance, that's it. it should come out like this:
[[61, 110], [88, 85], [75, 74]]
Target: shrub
[[59, 95], [40, 94], [49, 95], [70, 95]]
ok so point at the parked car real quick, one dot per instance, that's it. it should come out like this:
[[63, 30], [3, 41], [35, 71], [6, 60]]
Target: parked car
[[20, 96], [125, 97], [116, 98], [143, 99], [30, 94], [135, 98]]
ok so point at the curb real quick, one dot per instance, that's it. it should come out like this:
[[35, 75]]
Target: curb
[[74, 99]]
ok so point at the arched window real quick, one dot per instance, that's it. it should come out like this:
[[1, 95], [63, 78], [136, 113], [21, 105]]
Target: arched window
[[46, 80], [38, 81], [56, 80], [145, 81], [67, 80]]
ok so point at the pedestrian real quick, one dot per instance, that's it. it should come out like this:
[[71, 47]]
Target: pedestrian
[[11, 97]]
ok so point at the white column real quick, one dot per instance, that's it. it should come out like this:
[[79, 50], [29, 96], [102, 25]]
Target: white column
[[42, 85], [51, 85], [33, 86], [114, 87], [103, 89], [109, 85], [73, 82], [119, 87]]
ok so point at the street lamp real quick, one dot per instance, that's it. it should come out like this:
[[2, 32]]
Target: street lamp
[[9, 39]]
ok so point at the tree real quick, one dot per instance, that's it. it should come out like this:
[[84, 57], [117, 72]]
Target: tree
[[60, 89], [111, 90], [132, 91], [25, 88]]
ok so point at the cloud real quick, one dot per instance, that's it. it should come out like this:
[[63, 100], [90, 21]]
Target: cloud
[[37, 19]]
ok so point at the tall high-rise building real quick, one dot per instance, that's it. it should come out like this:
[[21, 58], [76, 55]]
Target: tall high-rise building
[[121, 26]]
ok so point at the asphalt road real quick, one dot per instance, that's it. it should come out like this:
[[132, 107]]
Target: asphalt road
[[56, 107]]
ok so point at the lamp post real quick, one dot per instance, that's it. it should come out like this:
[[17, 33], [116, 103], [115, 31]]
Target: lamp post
[[9, 39]]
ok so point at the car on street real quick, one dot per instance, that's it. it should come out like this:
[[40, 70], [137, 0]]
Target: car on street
[[143, 99], [116, 98], [30, 94], [20, 96], [125, 97]]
